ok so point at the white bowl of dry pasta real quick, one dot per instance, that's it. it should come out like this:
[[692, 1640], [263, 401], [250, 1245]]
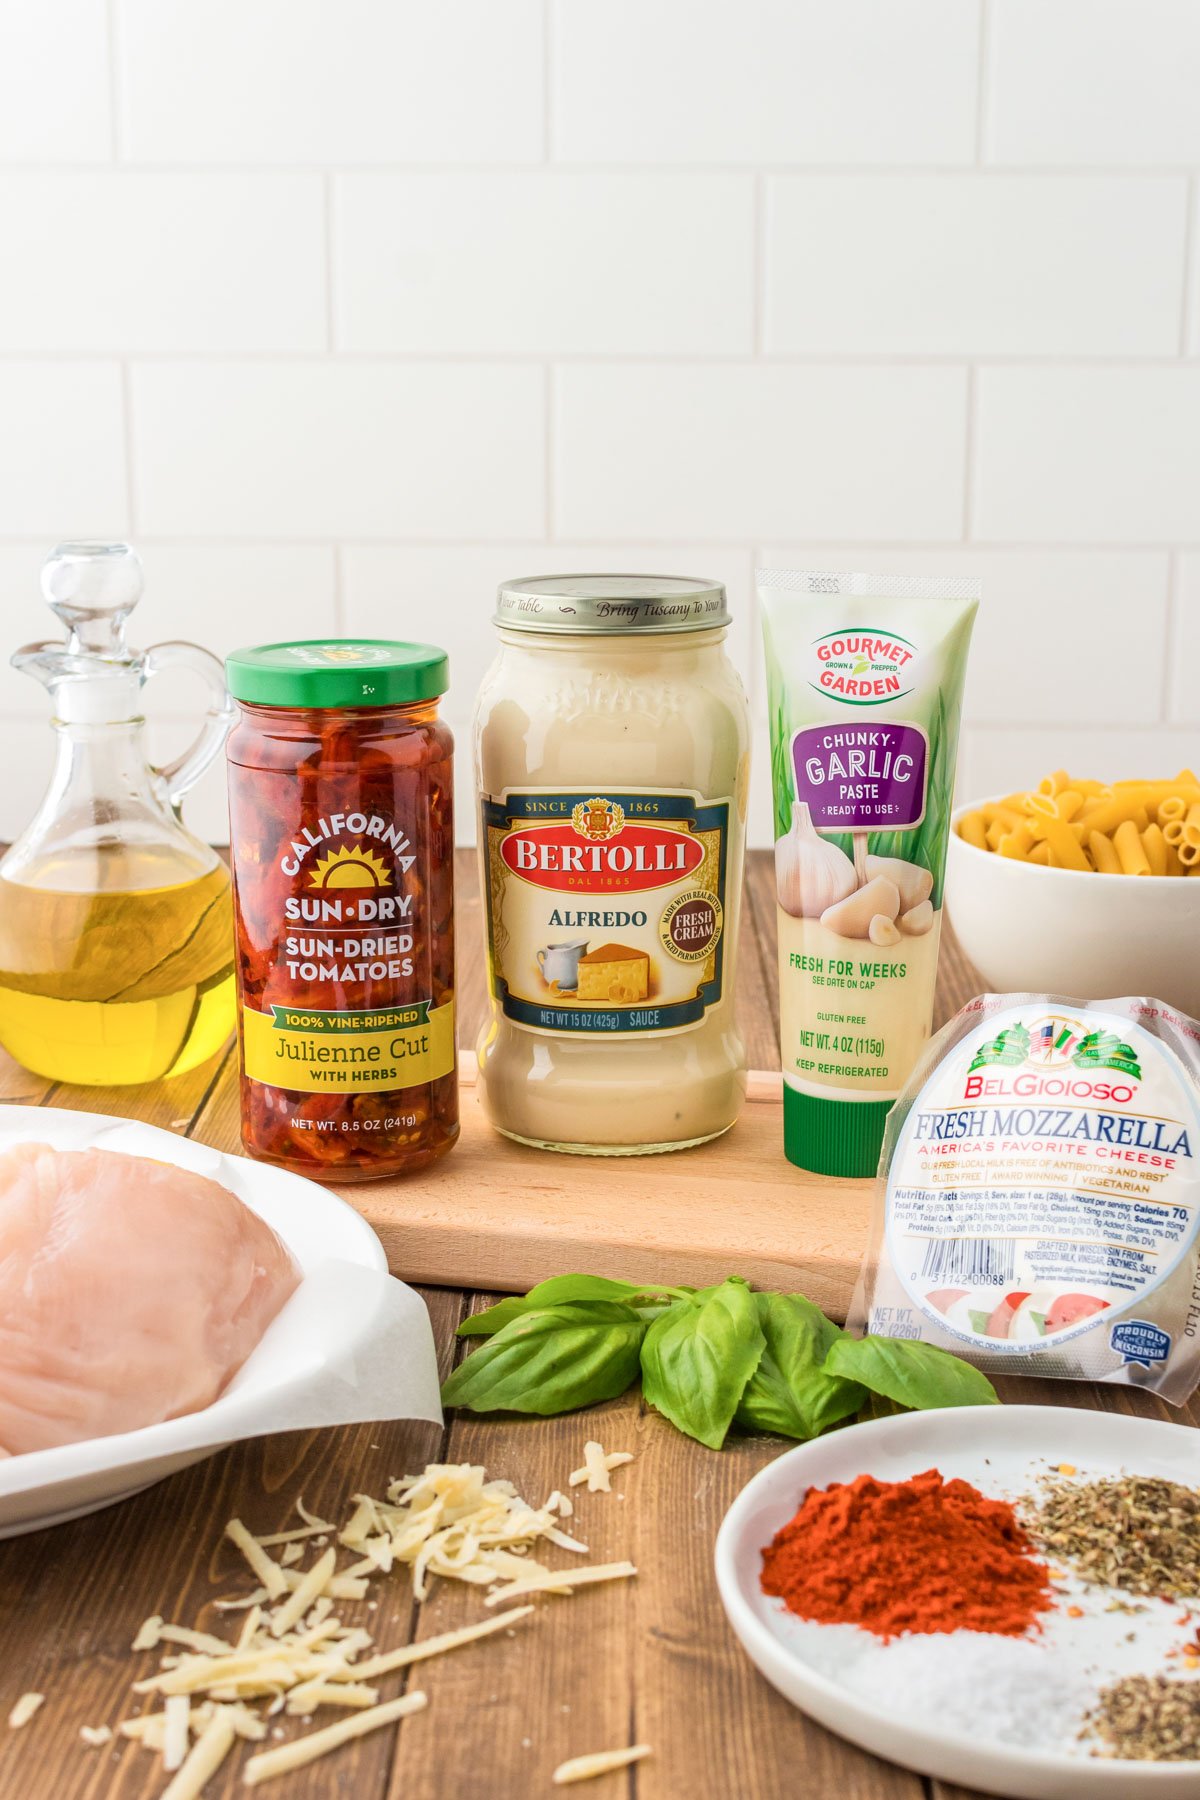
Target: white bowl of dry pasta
[[1083, 888]]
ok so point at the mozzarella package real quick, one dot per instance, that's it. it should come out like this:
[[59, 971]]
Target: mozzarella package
[[1037, 1209]]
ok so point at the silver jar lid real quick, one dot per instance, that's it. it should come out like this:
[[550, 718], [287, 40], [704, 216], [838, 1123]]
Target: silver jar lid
[[593, 604]]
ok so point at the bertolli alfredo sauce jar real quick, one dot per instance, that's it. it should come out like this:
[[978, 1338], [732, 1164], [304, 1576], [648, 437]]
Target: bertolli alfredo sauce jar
[[612, 760]]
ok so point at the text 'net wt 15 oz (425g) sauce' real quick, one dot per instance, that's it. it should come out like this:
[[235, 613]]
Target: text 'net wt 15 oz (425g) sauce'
[[342, 845]]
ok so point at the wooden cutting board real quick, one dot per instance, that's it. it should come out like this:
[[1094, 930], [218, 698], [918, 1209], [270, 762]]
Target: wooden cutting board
[[496, 1215]]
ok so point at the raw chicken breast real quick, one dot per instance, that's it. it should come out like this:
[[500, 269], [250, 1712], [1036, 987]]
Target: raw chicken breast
[[130, 1292]]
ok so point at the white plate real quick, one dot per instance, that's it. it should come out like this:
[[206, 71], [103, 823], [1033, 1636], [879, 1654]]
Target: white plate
[[840, 1675], [351, 1344]]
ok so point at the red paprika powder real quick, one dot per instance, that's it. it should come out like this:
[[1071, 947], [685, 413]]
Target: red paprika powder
[[920, 1555], [342, 846]]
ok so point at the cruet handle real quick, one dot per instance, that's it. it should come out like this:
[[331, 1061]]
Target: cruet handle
[[181, 774]]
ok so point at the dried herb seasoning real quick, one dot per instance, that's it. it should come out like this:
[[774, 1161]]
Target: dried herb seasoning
[[1147, 1718], [1138, 1533]]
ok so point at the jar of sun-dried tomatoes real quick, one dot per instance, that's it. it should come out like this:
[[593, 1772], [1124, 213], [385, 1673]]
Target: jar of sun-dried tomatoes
[[342, 846]]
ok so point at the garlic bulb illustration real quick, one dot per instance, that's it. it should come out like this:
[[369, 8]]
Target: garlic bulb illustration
[[810, 873]]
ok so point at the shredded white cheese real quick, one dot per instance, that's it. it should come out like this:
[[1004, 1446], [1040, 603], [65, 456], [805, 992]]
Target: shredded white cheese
[[451, 1521], [147, 1637], [307, 1591], [268, 1572], [269, 1763], [95, 1736], [204, 1759], [596, 1467], [177, 1716], [391, 1660], [293, 1654], [24, 1710], [560, 1581], [599, 1762]]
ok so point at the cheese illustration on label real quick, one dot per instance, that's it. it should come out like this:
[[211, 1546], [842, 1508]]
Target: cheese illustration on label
[[614, 972]]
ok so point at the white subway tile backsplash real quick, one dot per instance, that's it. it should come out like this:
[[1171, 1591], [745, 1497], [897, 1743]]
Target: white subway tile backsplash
[[1041, 609], [62, 449], [957, 264], [1088, 454], [545, 262], [1094, 81], [1184, 653], [999, 761], [696, 450], [304, 81], [118, 260], [325, 449], [449, 593], [227, 595], [832, 81], [347, 313], [54, 82]]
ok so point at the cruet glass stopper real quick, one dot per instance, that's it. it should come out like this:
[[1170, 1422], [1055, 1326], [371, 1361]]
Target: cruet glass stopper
[[93, 588]]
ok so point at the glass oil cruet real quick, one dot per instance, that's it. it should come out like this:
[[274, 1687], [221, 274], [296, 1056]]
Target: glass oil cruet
[[116, 927]]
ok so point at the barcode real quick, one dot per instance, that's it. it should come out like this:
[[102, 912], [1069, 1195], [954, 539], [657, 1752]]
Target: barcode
[[984, 1262]]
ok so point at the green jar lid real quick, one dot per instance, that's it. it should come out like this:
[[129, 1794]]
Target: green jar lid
[[833, 1137], [328, 673]]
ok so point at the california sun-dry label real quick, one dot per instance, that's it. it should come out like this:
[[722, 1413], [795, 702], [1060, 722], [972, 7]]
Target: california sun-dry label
[[606, 910], [347, 951]]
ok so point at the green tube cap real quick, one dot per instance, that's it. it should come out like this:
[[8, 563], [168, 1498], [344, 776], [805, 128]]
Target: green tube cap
[[833, 1137]]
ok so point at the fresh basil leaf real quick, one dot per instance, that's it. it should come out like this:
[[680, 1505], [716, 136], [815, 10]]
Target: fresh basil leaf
[[483, 1324], [698, 1357], [791, 1393], [555, 1292], [910, 1373], [875, 1406], [551, 1360]]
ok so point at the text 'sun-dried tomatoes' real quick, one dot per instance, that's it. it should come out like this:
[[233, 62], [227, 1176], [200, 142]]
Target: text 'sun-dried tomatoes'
[[342, 844]]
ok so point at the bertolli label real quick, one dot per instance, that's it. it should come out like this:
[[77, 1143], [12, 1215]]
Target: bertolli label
[[605, 911]]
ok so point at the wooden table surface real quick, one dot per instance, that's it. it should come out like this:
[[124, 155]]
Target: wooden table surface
[[649, 1660]]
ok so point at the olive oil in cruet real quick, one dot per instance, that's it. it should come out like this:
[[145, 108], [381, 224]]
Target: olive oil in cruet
[[116, 927]]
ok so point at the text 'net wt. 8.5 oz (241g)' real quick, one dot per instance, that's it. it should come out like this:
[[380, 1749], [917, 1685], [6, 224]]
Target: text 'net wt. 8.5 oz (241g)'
[[1038, 1203]]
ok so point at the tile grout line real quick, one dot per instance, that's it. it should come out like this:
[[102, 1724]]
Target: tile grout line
[[1172, 631], [781, 542], [548, 48], [548, 450], [734, 542], [1189, 257], [983, 85], [131, 508], [327, 185], [339, 589], [115, 94], [759, 339], [1036, 361], [968, 515], [685, 170]]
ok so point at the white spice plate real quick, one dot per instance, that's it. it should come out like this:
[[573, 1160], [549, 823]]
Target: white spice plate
[[969, 1707], [351, 1344]]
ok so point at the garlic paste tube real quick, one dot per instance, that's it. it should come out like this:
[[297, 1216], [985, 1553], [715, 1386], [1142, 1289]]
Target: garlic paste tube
[[865, 677]]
